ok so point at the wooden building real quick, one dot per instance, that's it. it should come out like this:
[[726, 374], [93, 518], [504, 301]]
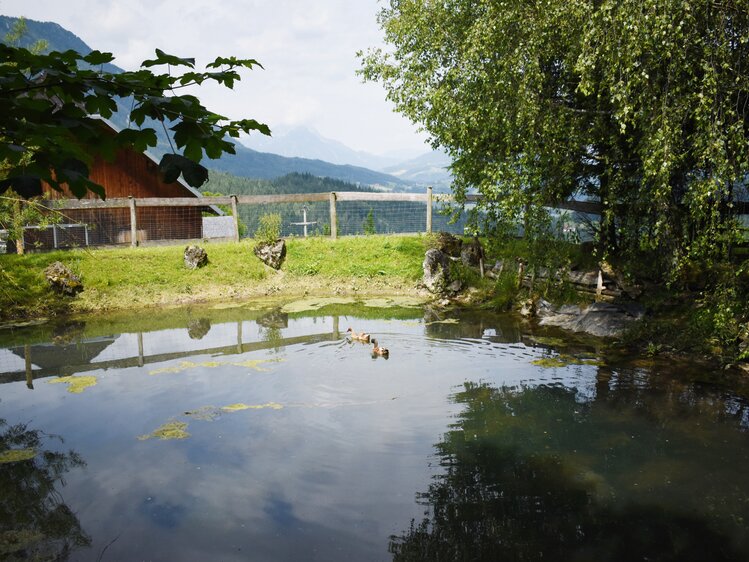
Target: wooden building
[[131, 174]]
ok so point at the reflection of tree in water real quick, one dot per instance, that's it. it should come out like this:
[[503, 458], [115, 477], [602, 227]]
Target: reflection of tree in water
[[197, 328], [35, 523], [68, 331], [536, 474], [270, 326]]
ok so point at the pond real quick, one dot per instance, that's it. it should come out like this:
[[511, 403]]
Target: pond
[[241, 433]]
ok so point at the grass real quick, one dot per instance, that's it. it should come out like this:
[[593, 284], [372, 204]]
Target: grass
[[121, 278]]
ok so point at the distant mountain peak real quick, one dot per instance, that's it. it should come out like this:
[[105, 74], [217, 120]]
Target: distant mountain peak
[[303, 141]]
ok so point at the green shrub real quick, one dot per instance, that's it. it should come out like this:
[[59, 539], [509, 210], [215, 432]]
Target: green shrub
[[269, 229]]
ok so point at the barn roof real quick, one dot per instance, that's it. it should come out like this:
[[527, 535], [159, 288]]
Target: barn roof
[[155, 160]]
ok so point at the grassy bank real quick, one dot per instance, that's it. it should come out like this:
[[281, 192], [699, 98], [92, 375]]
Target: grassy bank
[[710, 323], [123, 278]]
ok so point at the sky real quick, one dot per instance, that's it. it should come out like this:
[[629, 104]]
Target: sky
[[307, 48]]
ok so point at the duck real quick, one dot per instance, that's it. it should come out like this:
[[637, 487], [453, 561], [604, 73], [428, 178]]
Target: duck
[[363, 337], [377, 350]]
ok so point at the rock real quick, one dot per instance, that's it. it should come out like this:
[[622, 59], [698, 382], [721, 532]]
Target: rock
[[472, 253], [448, 244], [436, 271], [455, 286], [271, 253], [496, 270], [599, 319], [195, 257], [62, 280], [544, 308]]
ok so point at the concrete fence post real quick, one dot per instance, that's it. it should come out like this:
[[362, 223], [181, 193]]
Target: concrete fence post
[[429, 209], [333, 217], [235, 215], [133, 223]]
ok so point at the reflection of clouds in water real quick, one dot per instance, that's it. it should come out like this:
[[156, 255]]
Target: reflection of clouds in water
[[12, 363], [163, 514], [336, 468], [280, 512]]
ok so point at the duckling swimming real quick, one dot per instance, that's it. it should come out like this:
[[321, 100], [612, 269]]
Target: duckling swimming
[[379, 351], [362, 337]]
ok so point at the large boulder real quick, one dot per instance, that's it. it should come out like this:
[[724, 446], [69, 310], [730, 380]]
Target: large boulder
[[195, 257], [62, 279], [599, 319], [436, 271], [271, 253]]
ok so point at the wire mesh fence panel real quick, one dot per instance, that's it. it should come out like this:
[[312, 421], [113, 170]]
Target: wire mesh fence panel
[[380, 217], [169, 223], [73, 228], [315, 213], [446, 217]]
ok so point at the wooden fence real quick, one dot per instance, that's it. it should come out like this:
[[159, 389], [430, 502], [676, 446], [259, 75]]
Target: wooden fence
[[135, 220], [138, 206]]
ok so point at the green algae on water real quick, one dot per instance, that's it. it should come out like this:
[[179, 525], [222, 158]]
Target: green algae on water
[[204, 413], [76, 384], [550, 362], [312, 304], [549, 341], [211, 413], [564, 361], [390, 302], [170, 430], [239, 406], [187, 365], [447, 321], [16, 455]]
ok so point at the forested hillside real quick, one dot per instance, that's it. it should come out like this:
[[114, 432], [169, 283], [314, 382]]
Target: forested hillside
[[353, 217]]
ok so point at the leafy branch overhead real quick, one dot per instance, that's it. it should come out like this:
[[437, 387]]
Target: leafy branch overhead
[[50, 129]]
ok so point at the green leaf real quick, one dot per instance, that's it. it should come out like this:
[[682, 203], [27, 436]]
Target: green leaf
[[164, 58], [96, 58], [25, 186], [172, 165], [195, 174], [170, 168], [139, 139]]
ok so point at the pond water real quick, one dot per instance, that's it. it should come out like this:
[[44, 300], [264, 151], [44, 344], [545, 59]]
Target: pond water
[[244, 434]]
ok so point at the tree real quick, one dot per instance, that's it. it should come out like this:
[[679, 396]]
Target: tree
[[35, 522], [49, 126], [641, 104], [368, 225]]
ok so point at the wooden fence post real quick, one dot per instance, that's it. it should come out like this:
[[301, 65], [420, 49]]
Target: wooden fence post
[[429, 209], [133, 223], [235, 214], [333, 217], [29, 372], [20, 242]]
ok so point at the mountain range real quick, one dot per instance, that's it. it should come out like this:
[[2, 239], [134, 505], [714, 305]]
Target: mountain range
[[410, 167], [298, 150]]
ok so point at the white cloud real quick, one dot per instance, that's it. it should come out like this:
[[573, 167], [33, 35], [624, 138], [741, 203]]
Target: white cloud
[[307, 49]]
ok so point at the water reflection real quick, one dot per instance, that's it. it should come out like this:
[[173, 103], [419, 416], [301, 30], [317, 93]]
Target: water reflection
[[35, 522], [639, 473], [198, 328], [227, 434]]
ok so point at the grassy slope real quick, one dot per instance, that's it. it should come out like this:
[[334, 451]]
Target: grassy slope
[[124, 278]]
